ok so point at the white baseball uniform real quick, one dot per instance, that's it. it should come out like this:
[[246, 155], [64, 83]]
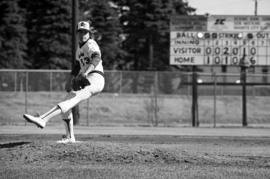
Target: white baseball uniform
[[88, 64], [84, 56]]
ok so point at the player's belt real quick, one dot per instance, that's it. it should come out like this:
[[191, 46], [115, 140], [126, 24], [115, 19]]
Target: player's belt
[[96, 71]]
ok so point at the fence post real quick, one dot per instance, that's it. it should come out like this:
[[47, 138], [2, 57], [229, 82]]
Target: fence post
[[253, 91], [15, 81], [50, 82], [121, 78], [26, 91], [87, 114]]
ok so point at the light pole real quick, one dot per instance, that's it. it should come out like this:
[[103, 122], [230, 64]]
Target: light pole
[[75, 110]]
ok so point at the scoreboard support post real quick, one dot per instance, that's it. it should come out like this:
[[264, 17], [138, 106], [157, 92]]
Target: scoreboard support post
[[244, 95], [194, 111], [215, 98], [244, 65]]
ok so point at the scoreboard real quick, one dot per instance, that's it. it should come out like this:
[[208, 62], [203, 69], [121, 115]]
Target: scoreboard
[[219, 40]]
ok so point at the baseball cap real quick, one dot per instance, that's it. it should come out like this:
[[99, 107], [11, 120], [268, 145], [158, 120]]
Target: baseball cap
[[83, 25]]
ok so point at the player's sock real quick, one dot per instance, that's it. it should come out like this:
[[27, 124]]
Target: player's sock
[[66, 127], [69, 126]]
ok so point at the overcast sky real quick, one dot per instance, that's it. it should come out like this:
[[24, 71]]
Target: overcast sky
[[230, 7]]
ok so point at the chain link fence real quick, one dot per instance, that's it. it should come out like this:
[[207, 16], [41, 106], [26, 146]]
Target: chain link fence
[[138, 97]]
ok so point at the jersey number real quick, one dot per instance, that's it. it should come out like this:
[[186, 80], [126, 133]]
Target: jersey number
[[85, 61]]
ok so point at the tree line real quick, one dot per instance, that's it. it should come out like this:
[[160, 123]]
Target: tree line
[[132, 34]]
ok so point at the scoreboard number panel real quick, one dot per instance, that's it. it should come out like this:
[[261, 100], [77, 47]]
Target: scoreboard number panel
[[220, 40]]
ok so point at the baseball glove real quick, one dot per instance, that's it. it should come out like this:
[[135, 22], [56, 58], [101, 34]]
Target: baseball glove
[[79, 82]]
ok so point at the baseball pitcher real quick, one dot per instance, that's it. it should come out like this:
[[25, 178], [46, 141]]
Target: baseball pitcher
[[87, 79]]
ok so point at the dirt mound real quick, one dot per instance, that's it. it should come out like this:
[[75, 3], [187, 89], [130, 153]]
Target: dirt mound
[[40, 153], [112, 156]]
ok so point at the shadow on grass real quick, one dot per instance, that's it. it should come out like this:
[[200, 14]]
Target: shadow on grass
[[12, 144]]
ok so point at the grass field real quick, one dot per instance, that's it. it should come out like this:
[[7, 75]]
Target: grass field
[[132, 109], [236, 154]]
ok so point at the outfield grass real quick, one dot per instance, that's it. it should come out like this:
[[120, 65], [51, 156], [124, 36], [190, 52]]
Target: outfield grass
[[128, 109]]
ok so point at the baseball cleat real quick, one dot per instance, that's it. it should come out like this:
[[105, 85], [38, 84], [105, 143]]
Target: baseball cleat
[[66, 140], [35, 120]]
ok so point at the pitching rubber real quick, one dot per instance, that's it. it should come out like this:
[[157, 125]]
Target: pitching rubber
[[70, 143]]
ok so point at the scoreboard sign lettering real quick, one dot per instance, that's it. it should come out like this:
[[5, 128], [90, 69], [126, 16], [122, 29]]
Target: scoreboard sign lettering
[[219, 40]]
